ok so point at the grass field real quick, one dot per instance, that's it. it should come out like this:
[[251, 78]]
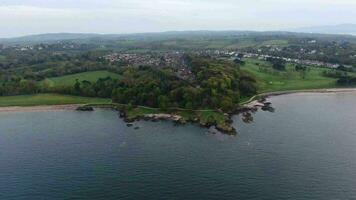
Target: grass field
[[275, 43], [220, 43], [2, 58], [69, 80], [273, 80], [47, 99]]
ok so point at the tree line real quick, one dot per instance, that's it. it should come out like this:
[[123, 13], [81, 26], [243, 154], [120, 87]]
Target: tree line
[[217, 85]]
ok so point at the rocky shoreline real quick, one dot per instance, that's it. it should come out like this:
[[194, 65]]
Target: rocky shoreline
[[255, 103], [226, 128]]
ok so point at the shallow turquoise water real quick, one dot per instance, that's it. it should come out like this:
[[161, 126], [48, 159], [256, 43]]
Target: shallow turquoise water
[[306, 149]]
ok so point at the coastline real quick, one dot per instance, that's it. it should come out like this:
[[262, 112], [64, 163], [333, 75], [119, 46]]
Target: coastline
[[255, 99], [39, 108], [255, 102], [252, 99]]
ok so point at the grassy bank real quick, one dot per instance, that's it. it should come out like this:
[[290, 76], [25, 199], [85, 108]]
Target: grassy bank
[[47, 99], [270, 80], [203, 117]]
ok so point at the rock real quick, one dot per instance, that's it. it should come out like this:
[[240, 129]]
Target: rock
[[157, 117], [136, 128], [268, 103], [255, 104], [227, 129], [85, 108], [247, 117], [129, 125], [268, 108], [182, 121], [122, 114]]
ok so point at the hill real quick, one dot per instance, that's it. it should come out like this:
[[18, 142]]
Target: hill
[[336, 29], [48, 38], [172, 35]]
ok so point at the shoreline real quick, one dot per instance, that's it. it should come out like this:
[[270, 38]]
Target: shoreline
[[255, 102], [245, 104], [255, 99], [39, 108]]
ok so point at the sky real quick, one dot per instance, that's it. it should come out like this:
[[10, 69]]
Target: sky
[[23, 17]]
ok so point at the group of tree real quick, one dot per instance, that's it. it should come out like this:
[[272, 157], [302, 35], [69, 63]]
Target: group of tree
[[16, 86], [342, 76], [217, 85], [277, 63], [347, 81], [302, 70], [51, 60]]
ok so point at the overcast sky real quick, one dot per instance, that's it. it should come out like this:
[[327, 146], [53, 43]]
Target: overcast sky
[[22, 17]]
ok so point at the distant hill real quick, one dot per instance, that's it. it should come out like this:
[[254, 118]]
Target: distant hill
[[48, 37], [83, 37], [161, 36], [349, 29], [53, 37]]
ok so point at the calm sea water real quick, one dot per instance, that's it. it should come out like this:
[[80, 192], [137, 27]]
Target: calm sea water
[[306, 149]]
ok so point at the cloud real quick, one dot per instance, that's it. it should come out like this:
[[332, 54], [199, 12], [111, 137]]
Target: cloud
[[19, 17]]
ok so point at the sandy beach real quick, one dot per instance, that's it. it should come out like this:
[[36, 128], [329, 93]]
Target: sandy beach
[[331, 90], [253, 102], [38, 108]]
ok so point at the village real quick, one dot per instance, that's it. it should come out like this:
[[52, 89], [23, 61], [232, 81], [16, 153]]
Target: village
[[175, 59]]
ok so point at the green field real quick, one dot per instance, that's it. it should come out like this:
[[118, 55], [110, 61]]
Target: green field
[[2, 58], [69, 80], [220, 43], [47, 99], [273, 80], [275, 43]]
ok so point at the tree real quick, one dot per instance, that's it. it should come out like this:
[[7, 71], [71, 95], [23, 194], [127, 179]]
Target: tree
[[227, 104], [77, 86], [277, 63], [163, 102], [302, 70], [240, 55], [28, 87], [343, 68], [248, 85], [239, 61]]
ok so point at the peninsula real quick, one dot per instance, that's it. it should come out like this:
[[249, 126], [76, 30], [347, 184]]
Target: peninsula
[[183, 81]]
